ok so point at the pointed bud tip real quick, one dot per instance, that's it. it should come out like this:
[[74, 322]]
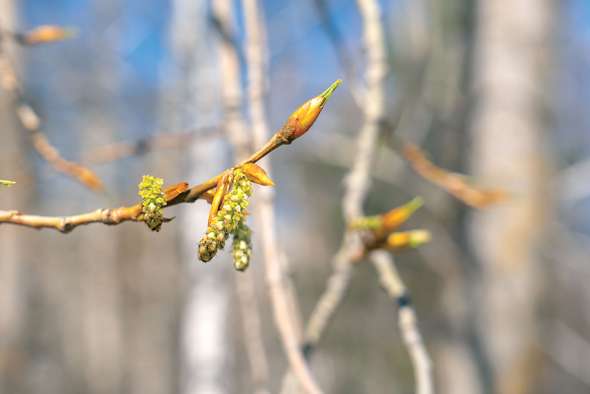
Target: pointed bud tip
[[328, 92], [419, 237], [415, 204]]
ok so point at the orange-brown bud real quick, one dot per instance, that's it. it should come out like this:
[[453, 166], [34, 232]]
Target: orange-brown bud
[[407, 239], [256, 174], [45, 34], [397, 216], [304, 117]]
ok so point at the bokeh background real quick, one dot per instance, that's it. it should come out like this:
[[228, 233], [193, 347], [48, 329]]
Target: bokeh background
[[494, 89]]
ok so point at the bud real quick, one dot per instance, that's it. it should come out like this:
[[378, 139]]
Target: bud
[[6, 183], [45, 34], [407, 239], [304, 117], [397, 216], [256, 174]]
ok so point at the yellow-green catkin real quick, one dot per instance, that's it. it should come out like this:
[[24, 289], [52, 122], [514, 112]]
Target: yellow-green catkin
[[229, 216], [242, 247], [152, 201]]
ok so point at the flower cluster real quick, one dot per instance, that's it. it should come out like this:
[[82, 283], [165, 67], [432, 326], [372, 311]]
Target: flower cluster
[[227, 219], [152, 201], [242, 247]]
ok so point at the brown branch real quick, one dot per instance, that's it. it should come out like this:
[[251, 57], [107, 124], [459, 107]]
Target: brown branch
[[31, 122], [119, 215], [454, 183], [142, 146]]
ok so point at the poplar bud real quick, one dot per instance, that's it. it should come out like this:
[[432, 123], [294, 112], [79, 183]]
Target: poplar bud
[[45, 34], [407, 239], [397, 216], [6, 183], [304, 117]]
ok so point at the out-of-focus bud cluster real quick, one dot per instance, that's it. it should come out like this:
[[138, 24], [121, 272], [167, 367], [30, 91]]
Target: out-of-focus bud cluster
[[231, 212], [379, 229], [152, 201]]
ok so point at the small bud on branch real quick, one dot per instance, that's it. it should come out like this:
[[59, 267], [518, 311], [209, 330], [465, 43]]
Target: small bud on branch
[[407, 239], [45, 34], [6, 183], [304, 117]]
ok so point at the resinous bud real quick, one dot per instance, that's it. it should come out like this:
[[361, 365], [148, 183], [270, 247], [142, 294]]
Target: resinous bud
[[304, 117]]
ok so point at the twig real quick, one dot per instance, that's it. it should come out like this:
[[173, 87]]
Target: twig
[[236, 130], [356, 190], [30, 121], [112, 216], [396, 290], [454, 183], [357, 181], [159, 141], [280, 287]]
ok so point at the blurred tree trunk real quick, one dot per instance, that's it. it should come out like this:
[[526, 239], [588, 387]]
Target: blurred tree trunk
[[508, 130], [13, 153], [207, 341]]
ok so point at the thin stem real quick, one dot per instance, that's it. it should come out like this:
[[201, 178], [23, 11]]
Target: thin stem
[[407, 321]]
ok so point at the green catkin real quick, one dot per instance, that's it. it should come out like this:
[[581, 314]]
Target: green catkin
[[229, 216], [242, 247], [152, 201]]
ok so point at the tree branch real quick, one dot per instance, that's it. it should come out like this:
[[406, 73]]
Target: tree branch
[[113, 216], [407, 321], [31, 122]]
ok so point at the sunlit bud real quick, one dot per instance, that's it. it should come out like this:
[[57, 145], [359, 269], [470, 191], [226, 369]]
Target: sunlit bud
[[407, 239], [304, 117], [397, 216], [256, 174], [6, 183], [45, 34]]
